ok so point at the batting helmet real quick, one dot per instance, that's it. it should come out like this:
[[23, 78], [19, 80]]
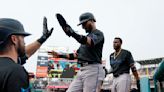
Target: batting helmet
[[85, 17], [9, 27]]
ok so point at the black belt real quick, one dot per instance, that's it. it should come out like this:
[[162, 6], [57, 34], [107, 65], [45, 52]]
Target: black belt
[[88, 63], [117, 75]]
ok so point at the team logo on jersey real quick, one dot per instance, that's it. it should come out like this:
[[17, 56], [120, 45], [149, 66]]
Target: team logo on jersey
[[25, 90]]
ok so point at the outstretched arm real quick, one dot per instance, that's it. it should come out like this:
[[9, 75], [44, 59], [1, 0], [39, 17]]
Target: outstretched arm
[[80, 38], [70, 56], [70, 32], [33, 47]]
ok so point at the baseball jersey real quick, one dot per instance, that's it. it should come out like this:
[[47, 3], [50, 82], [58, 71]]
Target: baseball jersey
[[121, 64], [13, 77], [92, 53]]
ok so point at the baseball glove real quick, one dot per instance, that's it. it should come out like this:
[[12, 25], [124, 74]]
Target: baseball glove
[[63, 24]]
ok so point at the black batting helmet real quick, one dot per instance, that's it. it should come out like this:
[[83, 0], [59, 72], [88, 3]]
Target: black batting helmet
[[9, 27], [85, 17]]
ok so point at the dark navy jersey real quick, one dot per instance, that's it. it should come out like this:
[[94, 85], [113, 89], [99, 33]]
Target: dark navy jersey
[[13, 77], [92, 53], [121, 64]]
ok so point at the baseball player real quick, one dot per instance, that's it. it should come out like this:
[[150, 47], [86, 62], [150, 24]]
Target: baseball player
[[13, 77], [91, 74], [121, 61]]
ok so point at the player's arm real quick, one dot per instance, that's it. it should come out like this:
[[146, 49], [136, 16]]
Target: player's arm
[[134, 71], [70, 32], [80, 38], [89, 40], [70, 56], [132, 65], [33, 47]]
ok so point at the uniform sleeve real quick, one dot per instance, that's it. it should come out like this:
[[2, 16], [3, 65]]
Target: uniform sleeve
[[18, 80], [96, 37], [130, 58], [110, 59]]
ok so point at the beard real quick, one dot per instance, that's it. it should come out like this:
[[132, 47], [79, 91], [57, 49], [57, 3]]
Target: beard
[[21, 52], [87, 31], [20, 49]]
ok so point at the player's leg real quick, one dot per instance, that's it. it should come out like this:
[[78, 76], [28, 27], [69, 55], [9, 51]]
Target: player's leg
[[124, 83], [94, 75], [77, 84], [114, 84]]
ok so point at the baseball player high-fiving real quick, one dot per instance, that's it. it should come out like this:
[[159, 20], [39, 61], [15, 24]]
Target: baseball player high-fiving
[[91, 74]]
